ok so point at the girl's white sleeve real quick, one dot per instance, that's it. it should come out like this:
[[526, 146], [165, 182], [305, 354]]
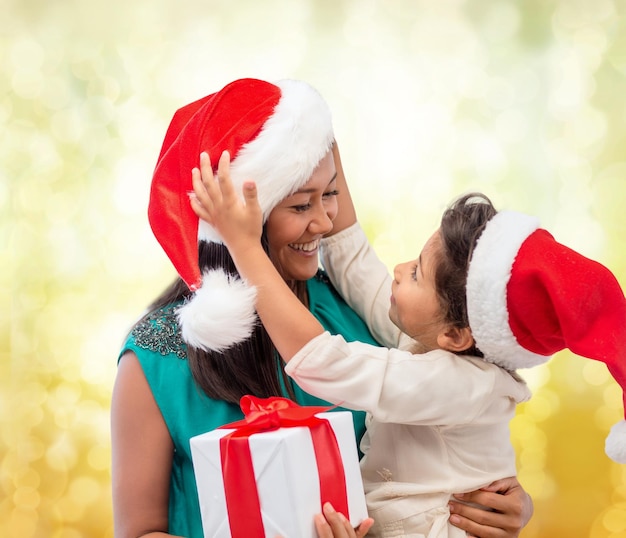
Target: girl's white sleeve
[[363, 281], [433, 388]]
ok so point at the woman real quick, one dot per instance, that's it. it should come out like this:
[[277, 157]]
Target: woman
[[186, 364]]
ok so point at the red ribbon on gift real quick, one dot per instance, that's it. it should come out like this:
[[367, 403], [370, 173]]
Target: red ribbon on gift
[[265, 414]]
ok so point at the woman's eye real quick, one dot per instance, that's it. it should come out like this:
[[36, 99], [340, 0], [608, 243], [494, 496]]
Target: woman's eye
[[302, 207], [331, 194]]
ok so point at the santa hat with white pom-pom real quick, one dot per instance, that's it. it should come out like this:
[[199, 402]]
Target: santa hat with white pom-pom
[[276, 135], [529, 297]]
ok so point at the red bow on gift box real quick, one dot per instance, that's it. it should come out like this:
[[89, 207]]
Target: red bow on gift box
[[265, 414]]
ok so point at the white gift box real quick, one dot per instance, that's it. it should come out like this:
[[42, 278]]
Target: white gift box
[[286, 477]]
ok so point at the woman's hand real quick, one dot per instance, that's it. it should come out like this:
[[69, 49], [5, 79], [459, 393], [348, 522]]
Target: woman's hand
[[511, 510], [333, 524]]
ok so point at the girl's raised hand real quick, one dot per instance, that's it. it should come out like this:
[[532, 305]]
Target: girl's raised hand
[[239, 222]]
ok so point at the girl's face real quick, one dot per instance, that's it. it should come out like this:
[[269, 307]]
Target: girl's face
[[415, 306], [296, 225]]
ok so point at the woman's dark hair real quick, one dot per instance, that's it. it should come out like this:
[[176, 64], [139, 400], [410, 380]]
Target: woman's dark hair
[[461, 225], [250, 367]]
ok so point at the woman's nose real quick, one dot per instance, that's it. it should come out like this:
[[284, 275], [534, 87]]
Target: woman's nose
[[321, 223]]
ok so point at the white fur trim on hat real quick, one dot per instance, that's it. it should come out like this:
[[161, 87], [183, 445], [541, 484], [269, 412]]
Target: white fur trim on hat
[[284, 155], [219, 314], [487, 278], [615, 445]]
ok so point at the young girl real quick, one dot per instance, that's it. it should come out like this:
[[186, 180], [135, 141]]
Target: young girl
[[426, 437]]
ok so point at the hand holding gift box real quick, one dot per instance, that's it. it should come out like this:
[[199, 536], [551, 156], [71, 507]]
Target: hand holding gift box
[[270, 473]]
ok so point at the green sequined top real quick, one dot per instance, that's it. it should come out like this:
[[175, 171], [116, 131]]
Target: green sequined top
[[187, 411]]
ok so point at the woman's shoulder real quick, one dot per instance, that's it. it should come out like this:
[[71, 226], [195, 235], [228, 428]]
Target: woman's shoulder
[[157, 333]]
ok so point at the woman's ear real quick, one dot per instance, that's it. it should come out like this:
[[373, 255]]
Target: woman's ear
[[455, 339]]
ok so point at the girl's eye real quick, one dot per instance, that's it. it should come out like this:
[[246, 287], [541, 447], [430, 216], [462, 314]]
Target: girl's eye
[[331, 194], [414, 272], [301, 208]]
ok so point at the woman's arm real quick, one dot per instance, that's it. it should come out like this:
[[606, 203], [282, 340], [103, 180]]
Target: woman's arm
[[142, 453], [346, 214], [511, 508], [355, 270]]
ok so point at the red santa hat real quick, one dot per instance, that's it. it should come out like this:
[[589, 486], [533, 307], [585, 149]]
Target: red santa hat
[[529, 297], [276, 135]]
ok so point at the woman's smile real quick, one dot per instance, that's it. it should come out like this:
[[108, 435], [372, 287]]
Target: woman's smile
[[310, 248]]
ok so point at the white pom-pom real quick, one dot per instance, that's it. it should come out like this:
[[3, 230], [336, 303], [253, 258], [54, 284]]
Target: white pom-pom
[[615, 446], [220, 314]]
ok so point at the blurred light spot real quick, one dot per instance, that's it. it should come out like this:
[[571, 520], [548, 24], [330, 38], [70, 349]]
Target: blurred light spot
[[68, 532], [500, 94], [26, 498], [27, 479], [595, 373], [502, 22], [99, 457], [614, 519], [587, 128], [84, 490], [490, 160], [99, 110], [57, 95], [61, 455], [28, 84], [61, 210], [68, 125], [543, 405], [33, 448], [131, 177], [22, 523], [539, 484], [69, 509], [26, 52], [613, 394], [572, 86], [512, 125], [66, 239]]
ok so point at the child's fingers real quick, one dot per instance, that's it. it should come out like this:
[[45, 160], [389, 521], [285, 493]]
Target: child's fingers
[[210, 187], [250, 196], [200, 199], [223, 175]]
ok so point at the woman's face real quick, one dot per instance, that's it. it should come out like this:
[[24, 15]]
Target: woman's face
[[415, 307], [296, 225]]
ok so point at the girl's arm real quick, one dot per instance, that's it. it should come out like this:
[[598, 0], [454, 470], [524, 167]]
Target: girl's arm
[[240, 226], [142, 453]]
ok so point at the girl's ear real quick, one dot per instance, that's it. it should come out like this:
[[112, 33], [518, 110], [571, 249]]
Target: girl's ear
[[455, 339]]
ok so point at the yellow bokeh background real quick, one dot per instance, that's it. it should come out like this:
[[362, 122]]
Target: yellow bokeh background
[[522, 100]]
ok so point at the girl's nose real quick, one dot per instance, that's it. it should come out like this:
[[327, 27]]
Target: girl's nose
[[397, 272]]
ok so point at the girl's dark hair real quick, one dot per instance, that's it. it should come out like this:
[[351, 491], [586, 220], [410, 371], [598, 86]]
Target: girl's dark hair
[[461, 225], [250, 367]]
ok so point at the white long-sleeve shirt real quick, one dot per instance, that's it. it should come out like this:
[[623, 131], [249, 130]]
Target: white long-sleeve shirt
[[438, 423]]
